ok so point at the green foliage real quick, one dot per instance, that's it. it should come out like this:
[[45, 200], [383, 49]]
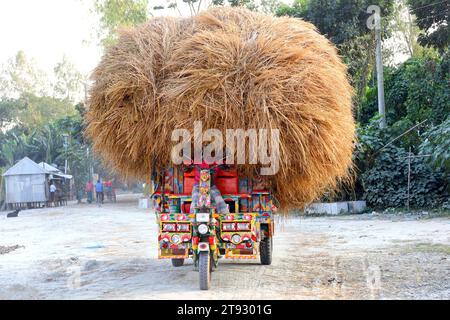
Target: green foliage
[[432, 19], [37, 111], [265, 6], [25, 98], [77, 160], [45, 142], [32, 111], [8, 110], [383, 173], [437, 144], [340, 20], [415, 91], [20, 76], [119, 13], [42, 143], [386, 182], [34, 123], [231, 3], [404, 33], [345, 24]]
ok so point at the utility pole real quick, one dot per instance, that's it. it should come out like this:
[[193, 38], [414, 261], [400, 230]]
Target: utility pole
[[380, 78], [374, 22], [66, 136], [409, 176], [90, 167]]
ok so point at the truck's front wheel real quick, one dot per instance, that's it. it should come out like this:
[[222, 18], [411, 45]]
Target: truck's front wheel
[[204, 268], [265, 249]]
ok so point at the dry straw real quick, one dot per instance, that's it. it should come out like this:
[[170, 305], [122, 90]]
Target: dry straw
[[229, 68]]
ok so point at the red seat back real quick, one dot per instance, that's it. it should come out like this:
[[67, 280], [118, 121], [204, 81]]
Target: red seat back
[[226, 181], [227, 185], [226, 173], [186, 207], [188, 184]]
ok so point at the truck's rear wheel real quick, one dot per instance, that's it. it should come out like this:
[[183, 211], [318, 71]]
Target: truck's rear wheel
[[204, 268], [177, 262], [265, 250]]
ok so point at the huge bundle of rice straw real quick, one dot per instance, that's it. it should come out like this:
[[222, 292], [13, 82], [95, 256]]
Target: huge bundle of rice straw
[[229, 68]]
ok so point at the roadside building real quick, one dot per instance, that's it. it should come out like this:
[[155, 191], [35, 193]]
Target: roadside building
[[27, 184]]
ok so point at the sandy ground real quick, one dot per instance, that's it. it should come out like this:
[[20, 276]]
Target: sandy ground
[[87, 252]]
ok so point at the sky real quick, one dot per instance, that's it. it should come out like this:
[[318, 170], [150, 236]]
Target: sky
[[46, 30]]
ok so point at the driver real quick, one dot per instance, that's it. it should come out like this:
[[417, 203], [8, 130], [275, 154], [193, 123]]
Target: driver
[[216, 197]]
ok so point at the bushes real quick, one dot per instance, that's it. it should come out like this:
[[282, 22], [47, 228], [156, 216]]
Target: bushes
[[383, 172], [416, 92], [437, 143], [386, 182]]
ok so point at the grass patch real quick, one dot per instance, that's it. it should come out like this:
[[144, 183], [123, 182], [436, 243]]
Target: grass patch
[[429, 248]]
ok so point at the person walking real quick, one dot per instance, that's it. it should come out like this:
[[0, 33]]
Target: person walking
[[99, 191], [89, 191]]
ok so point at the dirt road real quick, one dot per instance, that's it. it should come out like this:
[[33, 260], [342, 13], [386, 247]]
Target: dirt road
[[87, 252]]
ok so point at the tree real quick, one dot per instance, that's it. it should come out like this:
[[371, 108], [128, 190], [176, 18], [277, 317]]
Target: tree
[[24, 97], [404, 35], [232, 3], [194, 6], [432, 19], [345, 24], [268, 6], [339, 20], [119, 13], [265, 6], [38, 110], [8, 111], [68, 80], [415, 91], [20, 75]]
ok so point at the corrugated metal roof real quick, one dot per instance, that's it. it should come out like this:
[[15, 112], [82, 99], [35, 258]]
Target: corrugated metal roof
[[62, 175], [25, 166], [48, 167], [54, 171]]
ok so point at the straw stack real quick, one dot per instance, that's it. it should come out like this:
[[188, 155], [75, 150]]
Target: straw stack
[[229, 68]]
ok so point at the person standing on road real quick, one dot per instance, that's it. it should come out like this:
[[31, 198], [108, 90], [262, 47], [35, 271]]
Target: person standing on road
[[99, 191], [52, 193]]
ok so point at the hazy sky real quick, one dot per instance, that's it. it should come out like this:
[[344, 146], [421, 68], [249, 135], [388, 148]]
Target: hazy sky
[[47, 29]]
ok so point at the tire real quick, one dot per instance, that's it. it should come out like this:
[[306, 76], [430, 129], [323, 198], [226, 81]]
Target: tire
[[265, 250], [177, 262], [204, 270]]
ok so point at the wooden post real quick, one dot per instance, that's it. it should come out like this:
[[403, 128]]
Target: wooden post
[[409, 175]]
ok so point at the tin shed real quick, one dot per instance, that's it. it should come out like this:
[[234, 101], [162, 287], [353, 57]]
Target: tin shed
[[26, 182]]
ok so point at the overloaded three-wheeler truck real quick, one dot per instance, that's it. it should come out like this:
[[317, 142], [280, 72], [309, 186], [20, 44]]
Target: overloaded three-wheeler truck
[[202, 233]]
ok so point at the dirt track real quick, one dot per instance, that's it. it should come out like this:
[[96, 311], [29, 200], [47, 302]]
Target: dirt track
[[86, 252]]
